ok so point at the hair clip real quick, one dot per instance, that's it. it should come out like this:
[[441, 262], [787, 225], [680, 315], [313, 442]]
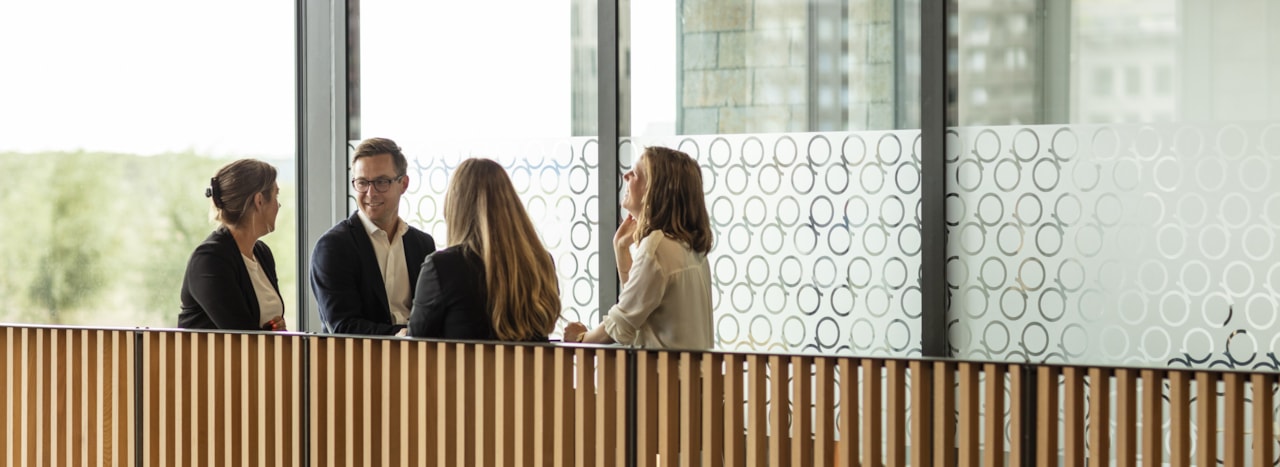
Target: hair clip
[[214, 191]]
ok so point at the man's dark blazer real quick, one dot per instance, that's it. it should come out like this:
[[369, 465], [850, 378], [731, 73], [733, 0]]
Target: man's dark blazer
[[217, 292], [348, 284]]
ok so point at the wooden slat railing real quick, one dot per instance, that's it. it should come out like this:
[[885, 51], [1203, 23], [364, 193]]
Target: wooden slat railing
[[68, 397], [120, 397]]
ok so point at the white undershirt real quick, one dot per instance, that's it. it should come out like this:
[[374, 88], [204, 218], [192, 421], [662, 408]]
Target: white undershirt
[[395, 273], [269, 304]]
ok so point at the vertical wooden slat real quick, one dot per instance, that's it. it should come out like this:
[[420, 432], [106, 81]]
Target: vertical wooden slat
[[895, 416], [1017, 409], [255, 393], [993, 428], [690, 410], [73, 393], [247, 425], [545, 403], [713, 408], [1233, 418], [485, 430], [1073, 416], [621, 420], [178, 384], [1099, 417], [584, 400], [667, 423], [1206, 418], [872, 428], [1179, 419], [1263, 420], [429, 438], [447, 403], [7, 350], [89, 388], [29, 364], [387, 409], [41, 398], [565, 419], [646, 409], [155, 352], [824, 412], [362, 405], [1047, 416], [53, 362], [283, 392], [970, 411], [129, 418], [521, 421], [261, 392], [734, 442], [467, 401], [757, 407], [921, 413], [1126, 419], [801, 411], [503, 416], [1152, 420], [944, 413], [200, 399], [321, 402], [609, 445], [779, 443], [406, 405]]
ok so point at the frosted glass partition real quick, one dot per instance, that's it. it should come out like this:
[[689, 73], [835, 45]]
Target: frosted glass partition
[[817, 238], [556, 178], [1120, 244]]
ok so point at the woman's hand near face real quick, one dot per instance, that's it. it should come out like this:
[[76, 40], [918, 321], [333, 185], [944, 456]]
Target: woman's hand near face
[[622, 241], [624, 237]]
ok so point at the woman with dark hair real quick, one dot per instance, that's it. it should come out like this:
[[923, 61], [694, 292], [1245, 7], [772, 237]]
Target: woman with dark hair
[[495, 281], [665, 301], [230, 281]]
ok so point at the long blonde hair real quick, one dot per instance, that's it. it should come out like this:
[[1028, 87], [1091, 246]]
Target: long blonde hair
[[485, 216], [673, 201]]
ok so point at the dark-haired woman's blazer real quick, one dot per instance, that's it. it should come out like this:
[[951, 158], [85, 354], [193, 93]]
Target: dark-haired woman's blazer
[[217, 292]]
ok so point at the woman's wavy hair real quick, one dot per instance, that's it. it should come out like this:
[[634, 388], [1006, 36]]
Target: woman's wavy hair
[[232, 188], [674, 201], [485, 216]]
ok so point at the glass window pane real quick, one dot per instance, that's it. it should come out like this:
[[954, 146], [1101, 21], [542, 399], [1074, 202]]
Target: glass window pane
[[447, 81], [804, 116], [1125, 213], [116, 115]]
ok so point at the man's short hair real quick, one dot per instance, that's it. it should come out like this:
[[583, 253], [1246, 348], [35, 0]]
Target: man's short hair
[[377, 146]]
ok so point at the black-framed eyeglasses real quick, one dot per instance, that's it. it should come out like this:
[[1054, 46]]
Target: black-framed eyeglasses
[[380, 184]]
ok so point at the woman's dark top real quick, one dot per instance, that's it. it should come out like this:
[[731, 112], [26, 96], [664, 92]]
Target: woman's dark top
[[451, 301], [217, 292]]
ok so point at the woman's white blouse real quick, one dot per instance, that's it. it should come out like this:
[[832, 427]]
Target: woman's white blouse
[[269, 304], [666, 302]]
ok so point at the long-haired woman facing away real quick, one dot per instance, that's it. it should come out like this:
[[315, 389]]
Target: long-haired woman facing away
[[661, 248], [495, 280]]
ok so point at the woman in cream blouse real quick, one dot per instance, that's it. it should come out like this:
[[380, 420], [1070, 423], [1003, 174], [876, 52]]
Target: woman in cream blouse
[[661, 249]]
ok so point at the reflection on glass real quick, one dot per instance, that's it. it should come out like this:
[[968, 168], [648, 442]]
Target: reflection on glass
[[1112, 201], [802, 115]]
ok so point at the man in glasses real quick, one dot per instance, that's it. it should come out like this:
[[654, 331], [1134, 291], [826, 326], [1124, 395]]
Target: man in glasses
[[364, 270]]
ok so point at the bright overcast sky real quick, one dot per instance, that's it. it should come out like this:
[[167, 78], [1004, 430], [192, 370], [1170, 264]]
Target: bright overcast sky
[[147, 76], [153, 76]]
